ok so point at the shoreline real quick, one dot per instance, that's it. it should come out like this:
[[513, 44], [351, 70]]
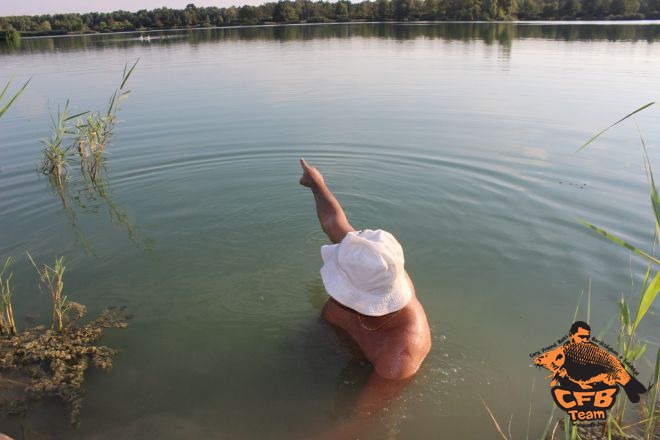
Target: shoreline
[[356, 22]]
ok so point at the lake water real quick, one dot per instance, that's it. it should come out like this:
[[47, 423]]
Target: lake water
[[459, 138]]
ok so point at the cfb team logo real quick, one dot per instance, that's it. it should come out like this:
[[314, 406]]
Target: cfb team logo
[[586, 377]]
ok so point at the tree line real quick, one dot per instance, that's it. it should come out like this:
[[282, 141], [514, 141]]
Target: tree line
[[341, 11]]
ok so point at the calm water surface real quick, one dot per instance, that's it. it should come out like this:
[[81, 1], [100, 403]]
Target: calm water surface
[[458, 138]]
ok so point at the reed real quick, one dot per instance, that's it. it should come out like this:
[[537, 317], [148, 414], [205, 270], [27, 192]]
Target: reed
[[93, 133], [56, 153], [628, 343], [52, 278], [7, 324], [8, 104]]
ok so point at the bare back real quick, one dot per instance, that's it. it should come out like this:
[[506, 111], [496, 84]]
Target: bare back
[[395, 346]]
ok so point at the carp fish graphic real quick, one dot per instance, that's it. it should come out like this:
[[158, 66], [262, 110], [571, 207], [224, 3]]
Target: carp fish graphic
[[588, 366]]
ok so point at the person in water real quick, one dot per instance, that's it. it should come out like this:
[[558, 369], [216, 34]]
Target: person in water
[[372, 299]]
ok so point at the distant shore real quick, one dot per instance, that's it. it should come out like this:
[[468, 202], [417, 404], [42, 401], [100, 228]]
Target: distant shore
[[342, 11], [420, 22]]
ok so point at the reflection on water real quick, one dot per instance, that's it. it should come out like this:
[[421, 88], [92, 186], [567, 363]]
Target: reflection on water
[[500, 33], [81, 194]]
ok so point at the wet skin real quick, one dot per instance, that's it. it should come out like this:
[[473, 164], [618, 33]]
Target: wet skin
[[395, 344]]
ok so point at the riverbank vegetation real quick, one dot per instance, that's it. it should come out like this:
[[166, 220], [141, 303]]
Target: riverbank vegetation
[[308, 11]]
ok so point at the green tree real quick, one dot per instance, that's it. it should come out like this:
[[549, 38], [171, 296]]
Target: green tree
[[400, 9], [341, 10], [571, 8], [624, 7], [529, 9], [45, 26], [248, 15], [285, 12], [383, 9]]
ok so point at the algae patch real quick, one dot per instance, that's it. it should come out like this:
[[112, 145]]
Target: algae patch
[[40, 362]]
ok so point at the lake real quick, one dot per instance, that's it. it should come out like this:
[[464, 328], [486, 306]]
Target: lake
[[459, 138]]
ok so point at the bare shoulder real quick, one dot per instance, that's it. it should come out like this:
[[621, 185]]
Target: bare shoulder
[[405, 352]]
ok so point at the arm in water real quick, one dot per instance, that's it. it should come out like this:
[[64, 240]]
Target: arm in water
[[331, 215], [377, 394], [381, 389]]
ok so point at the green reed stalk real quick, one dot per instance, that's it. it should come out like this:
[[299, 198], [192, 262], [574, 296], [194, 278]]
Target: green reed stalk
[[650, 428], [8, 104], [7, 324], [631, 349], [56, 153], [94, 133], [52, 277]]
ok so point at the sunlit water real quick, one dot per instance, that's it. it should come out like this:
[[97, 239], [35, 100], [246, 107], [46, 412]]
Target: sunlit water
[[460, 139]]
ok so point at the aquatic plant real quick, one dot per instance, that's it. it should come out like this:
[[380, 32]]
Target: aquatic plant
[[7, 324], [51, 362], [94, 132], [44, 363], [8, 104], [56, 153], [52, 277], [628, 344]]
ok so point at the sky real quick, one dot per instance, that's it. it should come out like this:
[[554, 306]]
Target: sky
[[37, 7]]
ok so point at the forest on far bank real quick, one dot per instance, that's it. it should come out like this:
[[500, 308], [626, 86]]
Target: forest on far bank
[[309, 11]]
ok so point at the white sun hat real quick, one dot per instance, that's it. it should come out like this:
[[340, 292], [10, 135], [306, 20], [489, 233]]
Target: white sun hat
[[365, 272]]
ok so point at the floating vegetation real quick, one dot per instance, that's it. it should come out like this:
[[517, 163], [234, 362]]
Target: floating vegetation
[[40, 362], [45, 363]]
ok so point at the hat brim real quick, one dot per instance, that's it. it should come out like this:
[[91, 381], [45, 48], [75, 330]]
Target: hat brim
[[368, 303]]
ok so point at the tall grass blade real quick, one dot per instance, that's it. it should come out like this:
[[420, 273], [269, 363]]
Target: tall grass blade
[[625, 313], [492, 417], [547, 425], [594, 137], [11, 101], [647, 299], [655, 199], [577, 306], [620, 242], [2, 94], [652, 419], [128, 75], [588, 303], [529, 414]]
